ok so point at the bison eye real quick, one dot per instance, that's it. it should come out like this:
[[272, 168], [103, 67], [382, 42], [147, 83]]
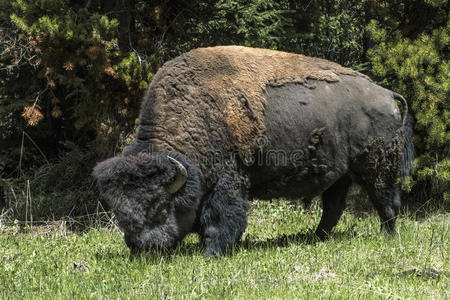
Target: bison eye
[[163, 214]]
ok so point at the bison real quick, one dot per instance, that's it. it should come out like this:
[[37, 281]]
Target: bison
[[222, 125]]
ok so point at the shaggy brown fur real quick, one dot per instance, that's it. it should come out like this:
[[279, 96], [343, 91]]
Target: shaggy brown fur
[[235, 79]]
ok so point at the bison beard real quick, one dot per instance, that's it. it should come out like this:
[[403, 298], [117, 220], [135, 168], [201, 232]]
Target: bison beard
[[223, 125]]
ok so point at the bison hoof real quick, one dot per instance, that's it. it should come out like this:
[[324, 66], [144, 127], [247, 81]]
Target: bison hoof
[[322, 234], [212, 253]]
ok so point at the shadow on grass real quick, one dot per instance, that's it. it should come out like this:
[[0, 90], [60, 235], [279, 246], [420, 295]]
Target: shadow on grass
[[284, 241], [111, 256]]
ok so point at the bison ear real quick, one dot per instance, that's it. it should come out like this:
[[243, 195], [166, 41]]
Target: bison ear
[[181, 177], [107, 169], [106, 172]]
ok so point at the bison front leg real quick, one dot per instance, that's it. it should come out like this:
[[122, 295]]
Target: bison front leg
[[333, 204], [223, 217]]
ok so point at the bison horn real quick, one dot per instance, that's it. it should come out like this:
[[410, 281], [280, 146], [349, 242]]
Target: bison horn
[[181, 178]]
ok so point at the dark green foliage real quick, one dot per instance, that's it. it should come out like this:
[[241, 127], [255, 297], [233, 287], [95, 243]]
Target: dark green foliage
[[412, 57], [261, 24], [73, 72], [60, 188], [63, 80], [334, 30]]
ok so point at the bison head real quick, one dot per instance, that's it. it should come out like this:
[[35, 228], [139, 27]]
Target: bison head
[[153, 196]]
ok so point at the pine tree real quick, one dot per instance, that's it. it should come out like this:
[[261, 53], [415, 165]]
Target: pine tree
[[412, 58]]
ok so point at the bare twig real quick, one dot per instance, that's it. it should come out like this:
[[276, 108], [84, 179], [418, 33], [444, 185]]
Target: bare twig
[[35, 145], [21, 153]]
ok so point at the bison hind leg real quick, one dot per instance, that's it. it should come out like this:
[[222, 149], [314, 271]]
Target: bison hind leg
[[380, 177], [387, 203], [333, 204]]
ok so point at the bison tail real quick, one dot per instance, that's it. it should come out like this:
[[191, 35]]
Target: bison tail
[[408, 151], [407, 124]]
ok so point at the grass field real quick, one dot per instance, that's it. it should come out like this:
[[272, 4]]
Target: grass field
[[278, 259]]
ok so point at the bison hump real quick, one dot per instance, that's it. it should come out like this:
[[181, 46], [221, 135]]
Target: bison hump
[[237, 77]]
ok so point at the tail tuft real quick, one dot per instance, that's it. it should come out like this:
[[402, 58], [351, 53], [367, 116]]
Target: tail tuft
[[407, 124], [408, 151]]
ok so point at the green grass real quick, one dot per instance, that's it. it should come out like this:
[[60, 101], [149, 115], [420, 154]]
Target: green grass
[[277, 259]]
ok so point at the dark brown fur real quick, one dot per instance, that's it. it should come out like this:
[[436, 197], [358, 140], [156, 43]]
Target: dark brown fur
[[253, 123]]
